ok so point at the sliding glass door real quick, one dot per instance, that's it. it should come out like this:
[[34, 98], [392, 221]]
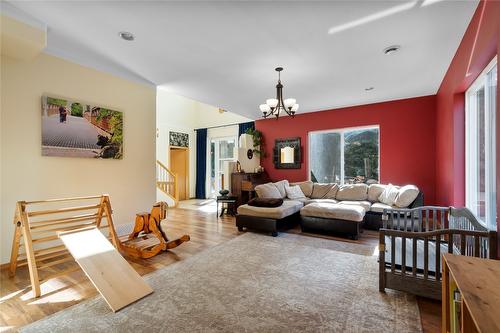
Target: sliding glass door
[[481, 146], [344, 156], [222, 150]]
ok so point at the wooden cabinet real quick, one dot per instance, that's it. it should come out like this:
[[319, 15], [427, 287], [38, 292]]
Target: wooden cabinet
[[476, 282], [249, 181]]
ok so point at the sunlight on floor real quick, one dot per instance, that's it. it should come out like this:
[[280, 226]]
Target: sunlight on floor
[[11, 295], [53, 291], [63, 296], [206, 206]]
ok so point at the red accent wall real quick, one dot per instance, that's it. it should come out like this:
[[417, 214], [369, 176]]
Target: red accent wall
[[407, 139], [481, 42]]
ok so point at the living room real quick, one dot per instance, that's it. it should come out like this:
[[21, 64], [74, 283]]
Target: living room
[[151, 150]]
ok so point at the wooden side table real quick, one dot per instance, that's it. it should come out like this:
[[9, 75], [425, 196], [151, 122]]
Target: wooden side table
[[475, 283], [228, 204]]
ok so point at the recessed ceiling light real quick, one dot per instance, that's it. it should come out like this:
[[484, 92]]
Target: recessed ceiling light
[[126, 35], [369, 89], [392, 49]]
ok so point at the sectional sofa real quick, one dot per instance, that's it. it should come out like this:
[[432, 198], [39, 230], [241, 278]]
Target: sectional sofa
[[326, 207]]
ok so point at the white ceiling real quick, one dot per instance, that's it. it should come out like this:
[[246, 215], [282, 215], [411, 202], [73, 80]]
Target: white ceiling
[[224, 53]]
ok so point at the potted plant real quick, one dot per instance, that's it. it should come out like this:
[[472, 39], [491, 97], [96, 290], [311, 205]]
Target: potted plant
[[257, 141]]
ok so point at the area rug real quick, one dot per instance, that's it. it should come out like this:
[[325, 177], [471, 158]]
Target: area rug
[[254, 283]]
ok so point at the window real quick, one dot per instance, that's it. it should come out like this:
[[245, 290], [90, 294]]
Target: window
[[480, 108], [344, 156]]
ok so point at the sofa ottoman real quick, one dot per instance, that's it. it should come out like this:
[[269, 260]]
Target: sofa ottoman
[[334, 218], [268, 219]]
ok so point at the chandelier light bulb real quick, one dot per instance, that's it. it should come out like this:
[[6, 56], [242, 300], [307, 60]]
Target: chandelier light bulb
[[289, 102], [272, 102], [264, 108]]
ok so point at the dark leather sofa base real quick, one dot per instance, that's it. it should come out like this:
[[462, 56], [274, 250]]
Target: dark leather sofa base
[[372, 221], [266, 224], [334, 226]]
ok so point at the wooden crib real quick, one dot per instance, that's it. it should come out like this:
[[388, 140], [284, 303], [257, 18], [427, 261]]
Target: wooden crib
[[413, 240]]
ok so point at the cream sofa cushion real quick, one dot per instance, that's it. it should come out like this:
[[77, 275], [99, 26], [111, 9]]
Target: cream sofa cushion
[[379, 207], [363, 203], [374, 191], [294, 192], [288, 208], [281, 185], [334, 211], [268, 190], [324, 191], [389, 195], [352, 192], [306, 187], [407, 194], [332, 194], [331, 201]]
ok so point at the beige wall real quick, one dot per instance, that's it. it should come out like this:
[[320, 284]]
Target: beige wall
[[26, 175]]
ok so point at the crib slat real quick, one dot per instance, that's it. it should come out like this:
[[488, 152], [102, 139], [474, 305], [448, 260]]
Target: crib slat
[[393, 254], [434, 219], [438, 257], [476, 246], [462, 244], [420, 220], [426, 220], [403, 255], [450, 243], [414, 263], [426, 258]]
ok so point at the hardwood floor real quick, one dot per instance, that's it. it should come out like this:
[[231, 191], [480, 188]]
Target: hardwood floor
[[18, 308]]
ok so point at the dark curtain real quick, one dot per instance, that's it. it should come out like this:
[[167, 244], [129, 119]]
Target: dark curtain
[[201, 162], [244, 126]]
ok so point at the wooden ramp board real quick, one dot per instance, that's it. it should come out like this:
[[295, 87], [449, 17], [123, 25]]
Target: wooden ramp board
[[114, 278]]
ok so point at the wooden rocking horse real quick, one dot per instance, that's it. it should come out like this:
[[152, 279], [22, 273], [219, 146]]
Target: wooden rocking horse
[[148, 239]]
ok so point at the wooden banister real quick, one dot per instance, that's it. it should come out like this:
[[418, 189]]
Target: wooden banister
[[167, 182]]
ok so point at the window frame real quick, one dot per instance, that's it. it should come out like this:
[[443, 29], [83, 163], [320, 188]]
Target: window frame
[[471, 166], [341, 131]]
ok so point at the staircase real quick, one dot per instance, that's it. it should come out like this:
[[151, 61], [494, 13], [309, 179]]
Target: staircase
[[166, 181]]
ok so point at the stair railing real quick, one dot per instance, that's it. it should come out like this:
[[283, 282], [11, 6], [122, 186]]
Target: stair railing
[[166, 181]]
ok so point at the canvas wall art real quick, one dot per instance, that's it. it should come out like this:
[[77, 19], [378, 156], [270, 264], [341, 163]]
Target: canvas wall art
[[179, 139], [75, 129]]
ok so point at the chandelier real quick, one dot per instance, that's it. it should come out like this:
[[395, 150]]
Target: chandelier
[[274, 106]]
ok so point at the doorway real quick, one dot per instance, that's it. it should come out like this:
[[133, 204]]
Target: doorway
[[222, 150], [179, 164]]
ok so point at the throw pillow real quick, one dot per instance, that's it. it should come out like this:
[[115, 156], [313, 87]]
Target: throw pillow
[[294, 192], [374, 191], [389, 195], [268, 190], [281, 187], [266, 202], [306, 187], [407, 194]]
